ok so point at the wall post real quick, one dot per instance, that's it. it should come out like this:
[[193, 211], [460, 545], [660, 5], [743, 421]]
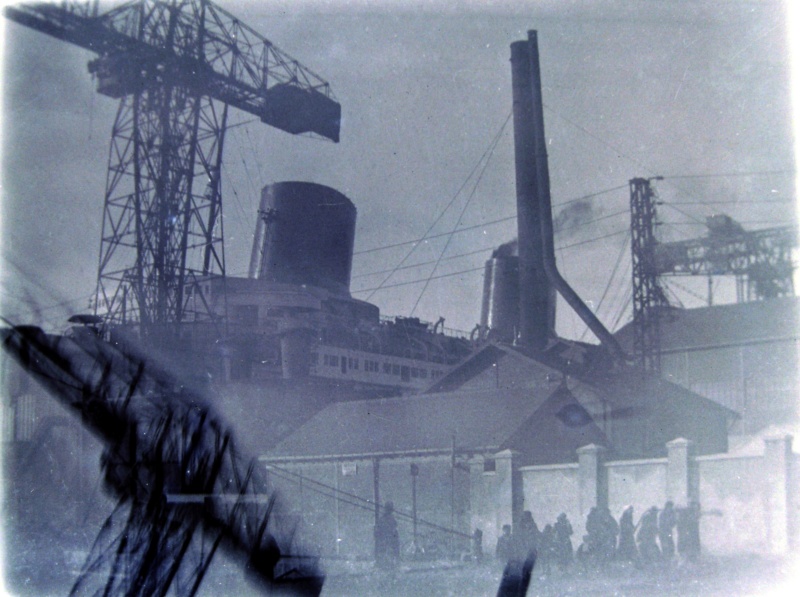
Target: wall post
[[479, 518], [680, 460], [506, 489], [592, 483], [777, 463]]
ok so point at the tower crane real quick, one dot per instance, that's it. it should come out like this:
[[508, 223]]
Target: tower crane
[[176, 67]]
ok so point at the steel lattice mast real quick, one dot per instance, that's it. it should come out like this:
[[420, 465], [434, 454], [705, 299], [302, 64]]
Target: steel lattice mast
[[647, 292], [176, 66]]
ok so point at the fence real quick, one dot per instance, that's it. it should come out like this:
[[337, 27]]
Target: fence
[[750, 501]]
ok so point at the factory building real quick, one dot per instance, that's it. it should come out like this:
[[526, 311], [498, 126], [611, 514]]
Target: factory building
[[500, 410], [744, 356]]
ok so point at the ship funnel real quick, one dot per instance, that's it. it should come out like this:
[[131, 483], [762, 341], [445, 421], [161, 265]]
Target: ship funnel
[[304, 235]]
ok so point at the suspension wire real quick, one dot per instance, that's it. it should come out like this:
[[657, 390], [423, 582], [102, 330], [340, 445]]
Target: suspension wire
[[673, 298], [255, 157], [747, 223], [590, 195], [48, 307], [439, 235], [355, 500], [477, 269], [490, 248], [591, 240], [27, 275], [482, 224], [623, 309], [422, 263], [419, 281], [452, 200], [734, 202], [597, 138], [623, 290], [461, 215], [730, 174], [692, 293], [238, 124], [246, 169], [680, 211], [610, 280], [238, 202], [621, 153]]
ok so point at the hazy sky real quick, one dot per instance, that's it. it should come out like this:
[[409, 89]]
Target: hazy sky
[[633, 88]]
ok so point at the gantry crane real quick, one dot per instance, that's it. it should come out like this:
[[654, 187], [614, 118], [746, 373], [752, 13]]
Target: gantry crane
[[176, 66], [760, 260]]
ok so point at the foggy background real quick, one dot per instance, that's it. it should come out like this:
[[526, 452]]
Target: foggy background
[[697, 91]]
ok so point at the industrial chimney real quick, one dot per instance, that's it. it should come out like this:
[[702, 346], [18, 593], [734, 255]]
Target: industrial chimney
[[539, 277], [537, 297]]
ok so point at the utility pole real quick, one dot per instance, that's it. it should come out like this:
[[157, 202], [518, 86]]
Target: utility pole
[[414, 475]]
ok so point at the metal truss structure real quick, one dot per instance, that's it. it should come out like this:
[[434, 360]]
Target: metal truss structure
[[761, 260], [176, 66], [647, 293], [183, 489]]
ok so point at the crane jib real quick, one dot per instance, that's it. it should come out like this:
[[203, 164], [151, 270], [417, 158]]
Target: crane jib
[[127, 65]]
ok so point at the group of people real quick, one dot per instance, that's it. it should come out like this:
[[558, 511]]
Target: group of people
[[651, 540], [551, 545]]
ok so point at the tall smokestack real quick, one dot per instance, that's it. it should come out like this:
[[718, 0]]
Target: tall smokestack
[[539, 275], [537, 296]]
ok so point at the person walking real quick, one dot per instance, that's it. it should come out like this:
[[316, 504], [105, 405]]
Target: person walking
[[387, 539], [646, 537], [666, 522], [626, 550], [563, 532]]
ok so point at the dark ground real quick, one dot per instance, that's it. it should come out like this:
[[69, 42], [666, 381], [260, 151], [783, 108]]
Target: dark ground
[[742, 575], [713, 576]]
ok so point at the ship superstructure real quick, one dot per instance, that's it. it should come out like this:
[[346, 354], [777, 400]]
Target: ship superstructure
[[294, 319]]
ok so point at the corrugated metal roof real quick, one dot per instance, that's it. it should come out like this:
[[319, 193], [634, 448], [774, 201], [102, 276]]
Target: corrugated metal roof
[[724, 325]]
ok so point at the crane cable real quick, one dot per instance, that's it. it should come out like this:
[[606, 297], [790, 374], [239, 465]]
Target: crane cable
[[463, 210], [439, 217]]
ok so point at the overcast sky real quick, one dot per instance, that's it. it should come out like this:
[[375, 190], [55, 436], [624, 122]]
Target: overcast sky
[[634, 88]]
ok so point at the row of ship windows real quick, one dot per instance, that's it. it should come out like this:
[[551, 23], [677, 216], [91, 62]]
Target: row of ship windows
[[404, 371]]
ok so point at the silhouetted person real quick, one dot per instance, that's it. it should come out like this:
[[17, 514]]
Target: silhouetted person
[[518, 569], [527, 538], [387, 540], [666, 522], [583, 554], [626, 550], [646, 537], [477, 546], [547, 548], [563, 532], [689, 531], [505, 547], [593, 539], [608, 534]]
